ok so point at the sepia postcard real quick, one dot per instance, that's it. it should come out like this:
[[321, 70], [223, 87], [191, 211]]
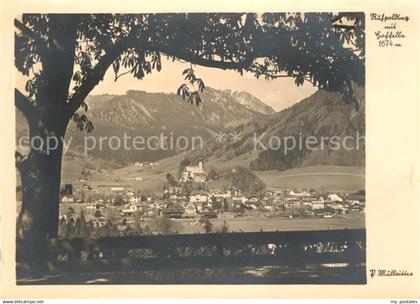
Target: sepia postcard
[[211, 149]]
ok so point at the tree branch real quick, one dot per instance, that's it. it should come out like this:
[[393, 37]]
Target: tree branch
[[122, 74], [274, 75], [24, 104], [92, 79], [344, 26], [194, 59], [41, 43], [96, 74], [20, 159]]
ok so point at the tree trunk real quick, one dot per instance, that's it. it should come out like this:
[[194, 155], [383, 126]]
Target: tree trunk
[[38, 217], [48, 118], [40, 175]]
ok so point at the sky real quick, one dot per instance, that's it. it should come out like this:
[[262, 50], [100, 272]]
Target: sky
[[279, 93]]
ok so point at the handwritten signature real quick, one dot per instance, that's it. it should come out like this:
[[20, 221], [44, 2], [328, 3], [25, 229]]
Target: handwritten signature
[[389, 273]]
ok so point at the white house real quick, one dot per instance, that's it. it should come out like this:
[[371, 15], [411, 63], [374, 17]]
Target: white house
[[253, 199], [190, 210], [129, 210], [117, 189], [174, 190], [334, 197], [226, 194], [135, 199], [268, 208], [340, 209], [292, 203], [241, 199], [300, 194], [318, 204], [67, 199], [353, 201], [199, 197]]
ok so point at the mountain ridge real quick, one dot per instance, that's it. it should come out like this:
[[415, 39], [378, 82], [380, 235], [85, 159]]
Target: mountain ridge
[[322, 115], [141, 113], [147, 114]]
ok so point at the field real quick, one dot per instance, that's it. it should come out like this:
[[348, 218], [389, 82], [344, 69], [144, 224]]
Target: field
[[349, 221], [322, 178]]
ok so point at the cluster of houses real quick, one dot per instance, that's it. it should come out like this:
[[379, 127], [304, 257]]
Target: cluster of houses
[[177, 202], [146, 164], [289, 202]]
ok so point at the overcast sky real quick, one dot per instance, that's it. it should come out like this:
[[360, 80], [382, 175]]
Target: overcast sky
[[278, 94]]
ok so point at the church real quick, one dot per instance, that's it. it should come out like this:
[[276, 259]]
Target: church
[[194, 174]]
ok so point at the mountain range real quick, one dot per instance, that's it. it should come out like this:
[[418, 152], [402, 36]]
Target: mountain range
[[140, 113], [323, 114]]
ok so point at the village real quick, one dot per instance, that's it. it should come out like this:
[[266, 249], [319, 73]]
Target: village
[[189, 205]]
